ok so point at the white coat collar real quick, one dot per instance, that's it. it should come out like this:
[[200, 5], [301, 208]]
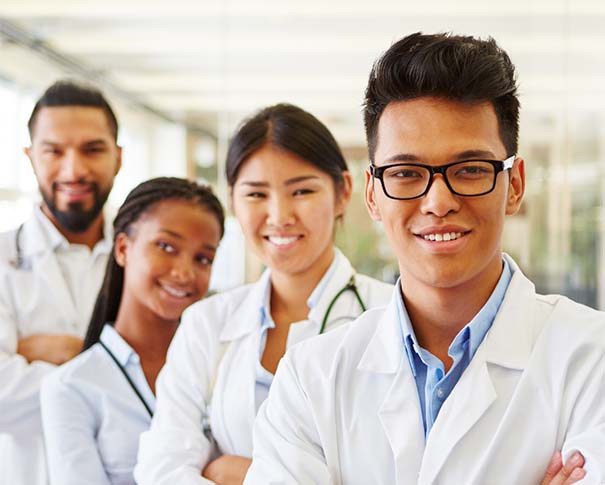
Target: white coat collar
[[508, 343], [39, 235], [247, 317], [118, 346]]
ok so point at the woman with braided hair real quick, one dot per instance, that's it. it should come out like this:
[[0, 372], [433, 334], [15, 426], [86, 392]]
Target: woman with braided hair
[[94, 407]]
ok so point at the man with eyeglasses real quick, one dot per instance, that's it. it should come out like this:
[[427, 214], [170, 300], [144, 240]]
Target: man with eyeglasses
[[467, 376]]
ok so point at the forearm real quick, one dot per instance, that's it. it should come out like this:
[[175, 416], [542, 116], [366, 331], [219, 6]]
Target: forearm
[[54, 349]]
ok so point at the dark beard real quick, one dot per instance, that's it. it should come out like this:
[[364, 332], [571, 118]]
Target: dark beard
[[75, 218]]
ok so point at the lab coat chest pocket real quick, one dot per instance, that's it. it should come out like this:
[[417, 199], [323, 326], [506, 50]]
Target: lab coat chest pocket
[[487, 423], [42, 300]]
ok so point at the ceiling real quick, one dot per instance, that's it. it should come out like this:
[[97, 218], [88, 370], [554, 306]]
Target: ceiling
[[209, 63]]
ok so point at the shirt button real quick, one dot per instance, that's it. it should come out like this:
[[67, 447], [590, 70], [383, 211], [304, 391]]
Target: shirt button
[[440, 393]]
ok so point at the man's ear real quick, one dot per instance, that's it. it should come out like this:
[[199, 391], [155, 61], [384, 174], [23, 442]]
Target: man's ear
[[28, 154], [371, 197], [344, 194], [516, 187], [118, 161], [120, 248]]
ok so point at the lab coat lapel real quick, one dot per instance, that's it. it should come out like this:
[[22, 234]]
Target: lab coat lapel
[[338, 280], [508, 344], [341, 311], [468, 402], [399, 412], [39, 252], [233, 402]]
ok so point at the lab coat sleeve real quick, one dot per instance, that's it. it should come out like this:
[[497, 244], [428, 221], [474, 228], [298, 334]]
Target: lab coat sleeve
[[69, 435], [175, 449], [287, 447], [20, 390], [586, 430]]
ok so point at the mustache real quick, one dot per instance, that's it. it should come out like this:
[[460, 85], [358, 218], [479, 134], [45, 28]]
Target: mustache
[[79, 183]]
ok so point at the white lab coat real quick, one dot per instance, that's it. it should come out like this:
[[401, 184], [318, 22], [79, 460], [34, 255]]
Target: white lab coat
[[35, 299], [344, 409], [211, 371]]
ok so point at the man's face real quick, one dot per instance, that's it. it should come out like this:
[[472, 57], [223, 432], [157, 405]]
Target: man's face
[[75, 159], [435, 131]]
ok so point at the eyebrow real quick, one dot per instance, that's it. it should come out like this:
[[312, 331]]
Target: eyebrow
[[176, 235], [99, 141], [292, 181], [465, 155]]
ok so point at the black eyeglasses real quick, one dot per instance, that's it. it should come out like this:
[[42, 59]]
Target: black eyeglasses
[[469, 178]]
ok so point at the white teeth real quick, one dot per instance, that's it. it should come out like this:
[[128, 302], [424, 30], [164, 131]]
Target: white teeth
[[175, 292], [448, 236], [282, 241]]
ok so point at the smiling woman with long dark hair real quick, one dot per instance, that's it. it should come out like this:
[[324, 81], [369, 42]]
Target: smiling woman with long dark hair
[[94, 407], [289, 185]]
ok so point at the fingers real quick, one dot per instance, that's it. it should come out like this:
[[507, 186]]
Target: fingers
[[559, 473], [572, 469], [554, 466]]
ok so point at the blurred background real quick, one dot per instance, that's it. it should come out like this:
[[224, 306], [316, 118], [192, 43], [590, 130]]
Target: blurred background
[[182, 74]]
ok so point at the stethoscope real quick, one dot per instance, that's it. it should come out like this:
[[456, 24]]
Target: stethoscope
[[128, 379], [18, 262], [350, 286]]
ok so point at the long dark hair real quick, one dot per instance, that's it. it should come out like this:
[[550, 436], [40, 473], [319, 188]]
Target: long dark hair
[[292, 129], [137, 203]]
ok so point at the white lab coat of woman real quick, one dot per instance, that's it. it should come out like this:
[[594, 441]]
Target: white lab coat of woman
[[344, 408], [210, 374]]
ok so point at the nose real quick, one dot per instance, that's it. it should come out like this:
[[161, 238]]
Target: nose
[[73, 166], [182, 270], [280, 211], [439, 200]]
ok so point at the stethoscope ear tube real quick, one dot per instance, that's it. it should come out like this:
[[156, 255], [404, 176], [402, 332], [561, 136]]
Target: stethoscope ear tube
[[17, 263], [350, 286]]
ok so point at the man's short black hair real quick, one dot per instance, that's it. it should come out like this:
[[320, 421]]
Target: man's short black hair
[[457, 68], [71, 93]]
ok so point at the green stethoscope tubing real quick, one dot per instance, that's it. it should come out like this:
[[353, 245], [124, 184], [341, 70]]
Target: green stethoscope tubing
[[350, 286]]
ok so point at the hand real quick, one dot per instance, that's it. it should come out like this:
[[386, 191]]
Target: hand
[[55, 349], [558, 473], [228, 470]]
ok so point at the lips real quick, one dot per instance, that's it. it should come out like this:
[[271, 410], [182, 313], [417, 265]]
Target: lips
[[75, 191]]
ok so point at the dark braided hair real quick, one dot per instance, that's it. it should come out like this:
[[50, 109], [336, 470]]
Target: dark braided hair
[[139, 201]]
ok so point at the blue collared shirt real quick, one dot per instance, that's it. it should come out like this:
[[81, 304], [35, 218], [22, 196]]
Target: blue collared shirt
[[264, 378], [92, 418], [433, 384]]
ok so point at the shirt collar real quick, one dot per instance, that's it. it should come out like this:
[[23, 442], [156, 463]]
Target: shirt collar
[[266, 321], [52, 239], [474, 331], [118, 346]]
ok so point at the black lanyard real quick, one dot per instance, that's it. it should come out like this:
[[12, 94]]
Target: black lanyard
[[134, 388]]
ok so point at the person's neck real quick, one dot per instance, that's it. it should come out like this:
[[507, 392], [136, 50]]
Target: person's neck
[[439, 314], [290, 292], [148, 335], [90, 237]]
